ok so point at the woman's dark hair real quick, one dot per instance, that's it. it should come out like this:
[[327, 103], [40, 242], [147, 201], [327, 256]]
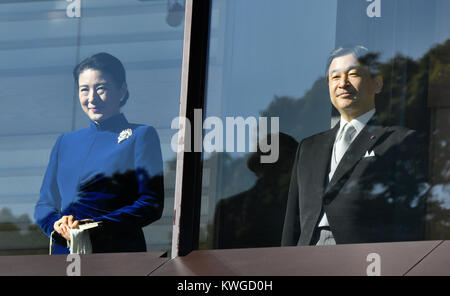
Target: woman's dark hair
[[106, 63]]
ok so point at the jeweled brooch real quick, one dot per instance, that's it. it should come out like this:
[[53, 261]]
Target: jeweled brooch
[[125, 134]]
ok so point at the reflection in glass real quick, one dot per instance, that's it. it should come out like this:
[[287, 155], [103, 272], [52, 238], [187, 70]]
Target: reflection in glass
[[261, 68], [111, 172], [262, 65], [362, 181], [415, 95], [253, 218], [40, 46]]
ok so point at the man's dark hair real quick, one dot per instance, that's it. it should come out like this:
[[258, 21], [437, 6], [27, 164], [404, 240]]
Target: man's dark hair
[[361, 53], [106, 63]]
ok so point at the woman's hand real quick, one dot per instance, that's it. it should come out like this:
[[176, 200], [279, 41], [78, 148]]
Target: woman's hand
[[63, 226]]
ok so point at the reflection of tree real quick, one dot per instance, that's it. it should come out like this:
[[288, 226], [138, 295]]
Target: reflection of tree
[[403, 100], [298, 118], [409, 86], [439, 221], [438, 61], [18, 235], [305, 116]]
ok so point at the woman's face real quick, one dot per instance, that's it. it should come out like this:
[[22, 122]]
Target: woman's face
[[99, 95]]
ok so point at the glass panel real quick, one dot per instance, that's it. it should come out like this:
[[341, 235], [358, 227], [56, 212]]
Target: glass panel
[[263, 64], [41, 42], [268, 59]]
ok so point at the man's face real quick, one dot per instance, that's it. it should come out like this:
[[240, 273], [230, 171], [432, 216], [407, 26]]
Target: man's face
[[352, 88]]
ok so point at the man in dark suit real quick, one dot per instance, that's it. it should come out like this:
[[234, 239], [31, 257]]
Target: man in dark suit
[[361, 181]]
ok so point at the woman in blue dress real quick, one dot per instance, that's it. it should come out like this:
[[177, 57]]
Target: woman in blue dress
[[110, 172]]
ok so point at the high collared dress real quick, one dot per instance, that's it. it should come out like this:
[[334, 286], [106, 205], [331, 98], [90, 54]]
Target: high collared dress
[[92, 174]]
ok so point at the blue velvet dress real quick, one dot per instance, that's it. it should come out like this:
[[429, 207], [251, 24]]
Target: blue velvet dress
[[92, 176]]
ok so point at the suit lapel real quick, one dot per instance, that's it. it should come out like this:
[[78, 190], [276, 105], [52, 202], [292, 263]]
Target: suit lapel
[[314, 169], [321, 156], [363, 143]]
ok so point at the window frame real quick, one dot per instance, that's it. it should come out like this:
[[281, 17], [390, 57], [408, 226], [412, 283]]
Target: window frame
[[189, 164], [188, 176], [188, 180]]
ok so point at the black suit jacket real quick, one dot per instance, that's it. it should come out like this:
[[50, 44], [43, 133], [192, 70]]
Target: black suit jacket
[[369, 199]]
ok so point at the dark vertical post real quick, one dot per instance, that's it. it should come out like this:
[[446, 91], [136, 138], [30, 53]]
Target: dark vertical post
[[189, 164]]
